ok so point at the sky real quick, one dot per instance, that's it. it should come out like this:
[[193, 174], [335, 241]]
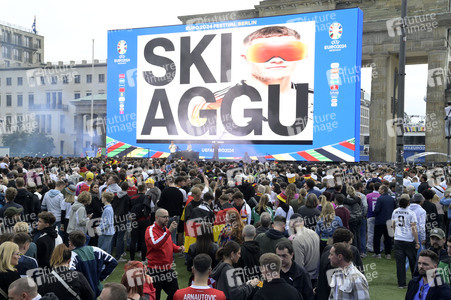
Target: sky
[[70, 27]]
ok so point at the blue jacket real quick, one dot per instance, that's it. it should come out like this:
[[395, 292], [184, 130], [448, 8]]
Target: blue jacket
[[437, 292], [385, 205], [90, 261]]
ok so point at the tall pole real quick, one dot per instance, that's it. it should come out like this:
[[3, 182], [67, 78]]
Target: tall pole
[[400, 106], [92, 99]]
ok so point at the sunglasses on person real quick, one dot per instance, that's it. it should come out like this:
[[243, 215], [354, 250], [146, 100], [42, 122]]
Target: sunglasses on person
[[287, 50]]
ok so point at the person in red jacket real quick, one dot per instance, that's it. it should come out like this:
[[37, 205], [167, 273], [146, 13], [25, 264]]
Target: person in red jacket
[[160, 249]]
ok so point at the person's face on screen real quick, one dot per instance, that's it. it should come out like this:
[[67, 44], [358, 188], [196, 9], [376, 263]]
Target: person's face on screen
[[275, 67]]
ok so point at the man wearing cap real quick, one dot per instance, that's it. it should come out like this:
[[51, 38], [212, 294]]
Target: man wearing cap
[[89, 177], [437, 241]]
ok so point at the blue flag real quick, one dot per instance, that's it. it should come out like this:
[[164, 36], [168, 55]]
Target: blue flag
[[33, 27]]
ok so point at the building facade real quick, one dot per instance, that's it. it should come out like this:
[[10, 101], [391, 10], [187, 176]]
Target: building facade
[[44, 99], [20, 47]]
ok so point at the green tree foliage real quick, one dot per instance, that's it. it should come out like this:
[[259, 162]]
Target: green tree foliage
[[28, 144]]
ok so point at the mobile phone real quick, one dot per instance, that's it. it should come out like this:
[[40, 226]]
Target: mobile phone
[[201, 170], [220, 177]]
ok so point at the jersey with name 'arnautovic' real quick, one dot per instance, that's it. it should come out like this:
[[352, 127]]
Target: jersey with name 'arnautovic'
[[403, 218]]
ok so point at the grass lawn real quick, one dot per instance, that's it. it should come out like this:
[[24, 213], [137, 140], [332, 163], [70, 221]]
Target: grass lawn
[[381, 275]]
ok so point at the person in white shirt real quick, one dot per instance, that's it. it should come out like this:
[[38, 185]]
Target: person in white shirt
[[404, 222], [415, 206]]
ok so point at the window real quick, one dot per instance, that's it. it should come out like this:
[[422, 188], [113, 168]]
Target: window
[[62, 123], [19, 123], [49, 124], [8, 123], [42, 80], [27, 57], [19, 100], [30, 100], [20, 81], [9, 100], [101, 78], [65, 79], [89, 78], [9, 81], [6, 52], [42, 123], [77, 78], [38, 44], [17, 55], [54, 94], [60, 100], [54, 79], [38, 57], [17, 39], [62, 147], [28, 42], [88, 94], [101, 92], [77, 95], [49, 95]]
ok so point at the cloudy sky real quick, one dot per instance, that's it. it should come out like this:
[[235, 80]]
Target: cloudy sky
[[70, 28]]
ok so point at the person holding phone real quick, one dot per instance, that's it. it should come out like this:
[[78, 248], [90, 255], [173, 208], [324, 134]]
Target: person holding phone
[[160, 249]]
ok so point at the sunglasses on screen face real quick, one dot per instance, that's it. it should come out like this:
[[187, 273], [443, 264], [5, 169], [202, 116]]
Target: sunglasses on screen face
[[287, 50]]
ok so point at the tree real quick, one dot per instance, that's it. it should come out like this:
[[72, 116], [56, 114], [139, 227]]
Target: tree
[[28, 143]]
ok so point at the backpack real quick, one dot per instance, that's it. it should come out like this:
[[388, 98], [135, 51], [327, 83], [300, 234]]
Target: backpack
[[147, 206], [252, 202]]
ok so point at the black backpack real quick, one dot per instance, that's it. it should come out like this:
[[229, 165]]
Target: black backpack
[[146, 207]]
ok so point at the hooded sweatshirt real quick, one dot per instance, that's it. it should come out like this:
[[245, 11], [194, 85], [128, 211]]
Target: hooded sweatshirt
[[250, 255], [45, 245], [78, 218], [239, 291], [269, 240], [121, 206], [53, 202]]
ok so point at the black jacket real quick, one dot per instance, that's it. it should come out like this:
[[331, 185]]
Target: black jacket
[[437, 292], [6, 278], [299, 278], [249, 260], [277, 289], [192, 252], [25, 198], [239, 290], [74, 279], [121, 207], [45, 245], [171, 199]]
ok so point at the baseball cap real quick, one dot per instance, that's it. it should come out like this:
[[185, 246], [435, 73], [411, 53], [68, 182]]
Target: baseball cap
[[10, 175], [89, 176], [438, 233], [12, 211], [150, 180]]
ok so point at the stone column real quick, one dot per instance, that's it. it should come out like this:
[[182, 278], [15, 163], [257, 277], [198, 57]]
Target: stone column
[[382, 139], [438, 78]]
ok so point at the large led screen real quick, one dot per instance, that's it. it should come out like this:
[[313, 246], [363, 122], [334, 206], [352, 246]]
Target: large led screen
[[285, 88]]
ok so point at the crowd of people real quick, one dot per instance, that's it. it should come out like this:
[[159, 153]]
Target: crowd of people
[[257, 230]]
